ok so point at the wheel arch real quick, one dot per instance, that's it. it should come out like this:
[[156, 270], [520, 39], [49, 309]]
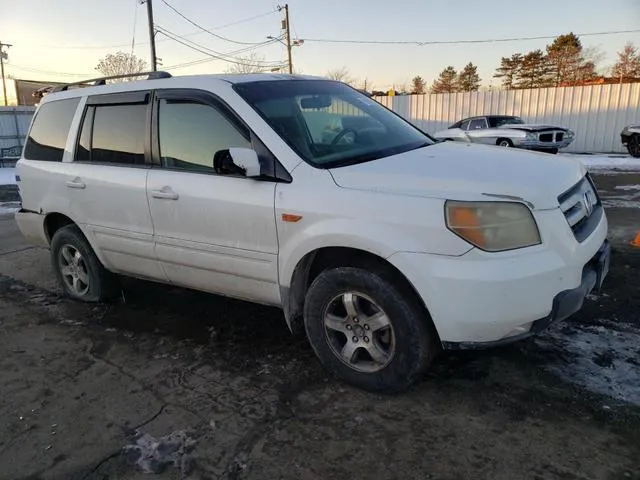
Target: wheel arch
[[314, 262], [54, 221]]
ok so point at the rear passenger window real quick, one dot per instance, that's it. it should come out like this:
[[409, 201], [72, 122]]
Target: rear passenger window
[[48, 135], [118, 134]]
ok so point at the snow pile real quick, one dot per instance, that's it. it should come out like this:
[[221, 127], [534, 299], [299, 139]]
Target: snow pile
[[7, 176], [153, 455], [600, 359], [604, 161]]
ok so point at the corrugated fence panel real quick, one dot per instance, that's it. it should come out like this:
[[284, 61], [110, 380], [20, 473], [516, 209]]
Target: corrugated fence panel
[[14, 124], [596, 113]]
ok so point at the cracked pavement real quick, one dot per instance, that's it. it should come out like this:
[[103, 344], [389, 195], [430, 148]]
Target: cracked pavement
[[77, 380]]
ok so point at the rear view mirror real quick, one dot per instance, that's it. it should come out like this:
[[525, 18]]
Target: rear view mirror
[[317, 101], [246, 159]]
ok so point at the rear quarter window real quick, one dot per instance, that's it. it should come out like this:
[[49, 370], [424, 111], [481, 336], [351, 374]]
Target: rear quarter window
[[48, 134]]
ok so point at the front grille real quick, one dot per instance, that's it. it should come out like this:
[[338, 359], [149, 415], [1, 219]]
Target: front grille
[[582, 208], [546, 137], [559, 136]]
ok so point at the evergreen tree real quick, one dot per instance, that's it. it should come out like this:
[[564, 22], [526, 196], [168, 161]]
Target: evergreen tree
[[418, 85], [468, 79], [446, 81], [508, 70]]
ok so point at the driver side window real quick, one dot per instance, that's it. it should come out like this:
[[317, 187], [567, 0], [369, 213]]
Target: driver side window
[[191, 134], [464, 125]]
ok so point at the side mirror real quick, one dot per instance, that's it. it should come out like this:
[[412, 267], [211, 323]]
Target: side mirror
[[247, 159]]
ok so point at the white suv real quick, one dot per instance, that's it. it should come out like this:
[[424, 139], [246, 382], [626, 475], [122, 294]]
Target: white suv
[[303, 193]]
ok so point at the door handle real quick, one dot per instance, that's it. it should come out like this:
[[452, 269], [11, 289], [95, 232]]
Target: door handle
[[76, 183], [165, 193]]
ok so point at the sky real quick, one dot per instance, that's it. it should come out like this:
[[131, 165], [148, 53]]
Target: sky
[[64, 39]]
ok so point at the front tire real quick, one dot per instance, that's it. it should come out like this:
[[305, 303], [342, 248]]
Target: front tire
[[78, 269], [504, 142], [366, 331], [634, 146]]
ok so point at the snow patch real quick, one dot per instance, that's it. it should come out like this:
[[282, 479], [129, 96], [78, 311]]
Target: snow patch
[[615, 203], [7, 176], [606, 162], [9, 207], [628, 188], [603, 360]]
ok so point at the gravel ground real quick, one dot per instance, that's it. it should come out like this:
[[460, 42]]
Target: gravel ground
[[246, 400]]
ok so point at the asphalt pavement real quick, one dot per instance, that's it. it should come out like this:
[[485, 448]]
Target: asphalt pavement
[[243, 399]]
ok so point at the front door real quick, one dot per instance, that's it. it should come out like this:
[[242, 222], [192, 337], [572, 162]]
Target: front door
[[212, 232]]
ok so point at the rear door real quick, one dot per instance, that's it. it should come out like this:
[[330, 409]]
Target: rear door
[[213, 232], [106, 184]]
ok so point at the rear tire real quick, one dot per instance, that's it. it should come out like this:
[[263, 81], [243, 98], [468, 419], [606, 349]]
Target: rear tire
[[504, 142], [368, 332], [634, 146], [78, 269]]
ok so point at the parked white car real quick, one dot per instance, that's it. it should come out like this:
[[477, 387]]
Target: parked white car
[[630, 137], [508, 131], [305, 194]]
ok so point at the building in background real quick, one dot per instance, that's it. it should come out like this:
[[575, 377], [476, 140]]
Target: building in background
[[24, 90]]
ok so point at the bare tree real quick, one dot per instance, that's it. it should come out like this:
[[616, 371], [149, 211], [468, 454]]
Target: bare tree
[[121, 63], [252, 63], [628, 64], [341, 75]]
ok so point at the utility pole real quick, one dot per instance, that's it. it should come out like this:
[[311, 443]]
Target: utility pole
[[152, 36], [288, 35], [3, 56]]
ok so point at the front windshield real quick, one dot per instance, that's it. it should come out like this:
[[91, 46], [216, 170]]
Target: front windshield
[[330, 124], [496, 122]]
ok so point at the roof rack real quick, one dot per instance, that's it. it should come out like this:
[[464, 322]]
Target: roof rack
[[103, 80]]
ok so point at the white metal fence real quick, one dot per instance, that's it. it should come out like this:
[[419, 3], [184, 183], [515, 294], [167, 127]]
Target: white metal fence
[[597, 113], [14, 124]]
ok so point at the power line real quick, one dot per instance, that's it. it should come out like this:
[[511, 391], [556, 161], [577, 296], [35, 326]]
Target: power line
[[190, 34], [457, 42], [48, 72], [230, 55], [210, 59], [215, 55], [135, 19], [204, 29]]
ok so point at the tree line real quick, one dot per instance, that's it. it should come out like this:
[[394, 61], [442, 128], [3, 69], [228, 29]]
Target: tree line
[[563, 63]]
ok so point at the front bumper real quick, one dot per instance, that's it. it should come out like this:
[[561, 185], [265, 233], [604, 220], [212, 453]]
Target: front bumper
[[538, 145], [565, 303], [489, 298]]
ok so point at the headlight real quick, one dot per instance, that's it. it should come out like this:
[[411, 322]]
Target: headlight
[[570, 134], [531, 136], [493, 226]]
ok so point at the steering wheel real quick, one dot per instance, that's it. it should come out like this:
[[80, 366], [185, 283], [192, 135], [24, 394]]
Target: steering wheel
[[342, 133]]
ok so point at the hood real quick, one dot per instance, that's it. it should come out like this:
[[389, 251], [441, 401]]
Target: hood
[[462, 171], [531, 127]]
